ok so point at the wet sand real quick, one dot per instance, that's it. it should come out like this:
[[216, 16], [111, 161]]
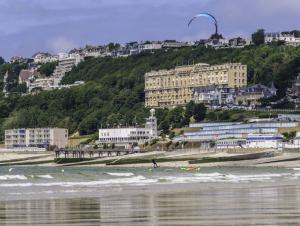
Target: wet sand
[[258, 204]]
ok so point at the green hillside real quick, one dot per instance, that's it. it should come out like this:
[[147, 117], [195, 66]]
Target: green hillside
[[113, 94]]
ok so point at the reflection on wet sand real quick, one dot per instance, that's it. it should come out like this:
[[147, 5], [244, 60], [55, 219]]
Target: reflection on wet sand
[[211, 205]]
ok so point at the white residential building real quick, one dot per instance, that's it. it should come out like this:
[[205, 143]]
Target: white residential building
[[50, 83], [36, 137], [40, 83], [289, 39], [150, 46], [43, 58], [129, 136], [66, 63]]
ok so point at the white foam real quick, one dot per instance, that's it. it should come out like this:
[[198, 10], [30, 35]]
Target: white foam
[[217, 177], [13, 177], [209, 175], [182, 180], [44, 176], [121, 174], [138, 180]]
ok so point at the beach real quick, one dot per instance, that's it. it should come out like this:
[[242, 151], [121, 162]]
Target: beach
[[172, 159], [143, 196], [190, 187]]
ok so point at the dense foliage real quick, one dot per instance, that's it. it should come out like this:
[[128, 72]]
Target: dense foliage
[[258, 37], [114, 91], [13, 71], [48, 68]]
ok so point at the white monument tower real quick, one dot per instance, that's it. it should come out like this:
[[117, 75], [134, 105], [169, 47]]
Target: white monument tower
[[151, 123]]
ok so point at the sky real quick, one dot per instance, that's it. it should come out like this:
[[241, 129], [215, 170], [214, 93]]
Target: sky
[[29, 26]]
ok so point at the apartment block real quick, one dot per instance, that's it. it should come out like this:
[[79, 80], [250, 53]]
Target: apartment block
[[66, 63], [36, 137], [171, 88]]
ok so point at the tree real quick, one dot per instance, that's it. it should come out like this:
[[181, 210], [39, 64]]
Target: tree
[[199, 112], [2, 61], [113, 46], [48, 68], [189, 110], [164, 126], [258, 38]]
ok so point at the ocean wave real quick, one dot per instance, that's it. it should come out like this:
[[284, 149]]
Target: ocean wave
[[120, 174], [47, 176], [218, 177], [13, 177], [138, 180], [209, 175]]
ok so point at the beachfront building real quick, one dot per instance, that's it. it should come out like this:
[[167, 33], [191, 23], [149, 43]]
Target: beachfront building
[[289, 117], [130, 136], [220, 132], [230, 143], [258, 140], [36, 137], [171, 88], [264, 141]]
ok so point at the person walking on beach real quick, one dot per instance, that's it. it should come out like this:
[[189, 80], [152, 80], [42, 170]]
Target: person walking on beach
[[154, 163]]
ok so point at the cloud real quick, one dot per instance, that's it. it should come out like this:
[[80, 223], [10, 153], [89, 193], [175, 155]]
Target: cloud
[[27, 26], [61, 44]]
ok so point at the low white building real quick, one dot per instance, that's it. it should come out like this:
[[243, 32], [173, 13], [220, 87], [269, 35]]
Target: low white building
[[252, 141], [129, 136], [264, 141], [36, 137], [231, 143]]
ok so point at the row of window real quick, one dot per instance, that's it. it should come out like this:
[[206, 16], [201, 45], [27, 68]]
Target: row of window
[[124, 139]]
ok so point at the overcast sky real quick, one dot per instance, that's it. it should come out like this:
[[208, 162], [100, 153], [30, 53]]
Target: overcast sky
[[28, 26]]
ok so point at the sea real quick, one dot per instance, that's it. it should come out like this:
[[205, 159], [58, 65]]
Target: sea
[[146, 196]]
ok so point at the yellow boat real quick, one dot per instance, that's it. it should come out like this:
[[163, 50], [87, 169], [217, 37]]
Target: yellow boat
[[190, 168]]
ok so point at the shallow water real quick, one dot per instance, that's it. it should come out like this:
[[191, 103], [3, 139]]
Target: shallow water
[[112, 196]]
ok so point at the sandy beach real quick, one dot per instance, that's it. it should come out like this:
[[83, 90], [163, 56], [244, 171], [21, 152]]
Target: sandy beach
[[180, 158]]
